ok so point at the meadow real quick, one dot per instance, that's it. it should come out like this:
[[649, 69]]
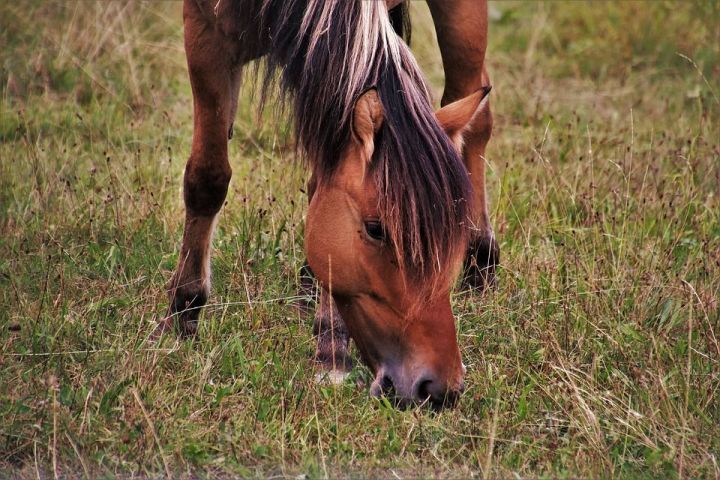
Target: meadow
[[597, 354]]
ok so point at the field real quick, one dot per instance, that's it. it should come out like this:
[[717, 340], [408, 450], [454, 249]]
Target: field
[[597, 355]]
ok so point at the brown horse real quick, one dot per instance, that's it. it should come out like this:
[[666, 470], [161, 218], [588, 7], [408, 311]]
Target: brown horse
[[397, 191]]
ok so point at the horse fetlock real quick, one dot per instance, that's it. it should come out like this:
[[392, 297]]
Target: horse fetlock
[[480, 263], [332, 347], [331, 357]]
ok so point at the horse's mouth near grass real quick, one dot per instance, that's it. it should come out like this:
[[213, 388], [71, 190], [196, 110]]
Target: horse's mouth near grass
[[383, 386]]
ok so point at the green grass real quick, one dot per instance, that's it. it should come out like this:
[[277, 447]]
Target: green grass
[[596, 356]]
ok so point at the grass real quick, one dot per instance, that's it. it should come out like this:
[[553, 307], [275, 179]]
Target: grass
[[596, 356]]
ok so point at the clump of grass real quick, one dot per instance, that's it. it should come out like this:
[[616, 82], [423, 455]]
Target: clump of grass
[[597, 354]]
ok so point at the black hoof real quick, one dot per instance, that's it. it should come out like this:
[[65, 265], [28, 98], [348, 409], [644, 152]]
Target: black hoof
[[184, 312], [482, 259]]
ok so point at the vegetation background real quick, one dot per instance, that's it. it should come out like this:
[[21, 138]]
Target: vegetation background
[[596, 356]]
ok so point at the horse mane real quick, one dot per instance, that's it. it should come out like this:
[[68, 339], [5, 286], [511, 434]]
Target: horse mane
[[326, 53]]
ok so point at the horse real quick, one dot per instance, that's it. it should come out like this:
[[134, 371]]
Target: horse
[[396, 193]]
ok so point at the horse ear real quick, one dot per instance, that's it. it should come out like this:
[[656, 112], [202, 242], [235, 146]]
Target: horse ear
[[456, 117], [368, 117]]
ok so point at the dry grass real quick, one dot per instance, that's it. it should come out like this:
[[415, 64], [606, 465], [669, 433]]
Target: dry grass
[[597, 355]]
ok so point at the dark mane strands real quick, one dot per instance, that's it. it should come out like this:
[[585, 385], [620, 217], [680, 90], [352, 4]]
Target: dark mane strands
[[328, 52], [400, 21]]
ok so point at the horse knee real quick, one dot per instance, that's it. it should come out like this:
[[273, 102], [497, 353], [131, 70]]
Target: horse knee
[[205, 187]]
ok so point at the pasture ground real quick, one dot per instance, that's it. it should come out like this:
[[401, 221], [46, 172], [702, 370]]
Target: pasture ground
[[597, 355]]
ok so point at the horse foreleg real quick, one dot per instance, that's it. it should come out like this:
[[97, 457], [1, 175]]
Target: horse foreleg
[[333, 340], [214, 79], [461, 27]]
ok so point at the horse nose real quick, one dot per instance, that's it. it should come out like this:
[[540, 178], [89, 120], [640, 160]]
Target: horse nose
[[429, 388]]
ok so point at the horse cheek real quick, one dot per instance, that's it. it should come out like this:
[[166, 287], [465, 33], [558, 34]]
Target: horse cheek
[[330, 234]]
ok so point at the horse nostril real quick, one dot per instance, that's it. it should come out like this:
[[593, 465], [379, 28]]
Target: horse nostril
[[436, 394], [386, 384], [382, 386], [423, 390]]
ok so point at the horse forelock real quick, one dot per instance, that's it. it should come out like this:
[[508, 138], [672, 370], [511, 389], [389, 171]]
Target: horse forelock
[[327, 53]]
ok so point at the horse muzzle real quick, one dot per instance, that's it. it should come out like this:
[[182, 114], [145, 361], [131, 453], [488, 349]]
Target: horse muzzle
[[426, 388]]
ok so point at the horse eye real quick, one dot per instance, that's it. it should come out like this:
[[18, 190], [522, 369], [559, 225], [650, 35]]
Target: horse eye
[[375, 230]]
